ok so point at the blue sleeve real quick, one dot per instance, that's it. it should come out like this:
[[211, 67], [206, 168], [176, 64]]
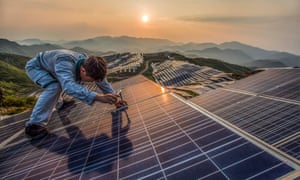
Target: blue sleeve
[[66, 74], [105, 87]]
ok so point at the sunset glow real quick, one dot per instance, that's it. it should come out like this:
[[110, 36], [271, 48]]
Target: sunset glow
[[179, 21], [145, 18]]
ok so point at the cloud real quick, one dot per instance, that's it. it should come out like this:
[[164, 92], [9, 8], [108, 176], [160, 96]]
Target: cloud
[[239, 19]]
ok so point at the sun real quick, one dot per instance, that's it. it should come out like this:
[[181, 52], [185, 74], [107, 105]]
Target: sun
[[145, 18]]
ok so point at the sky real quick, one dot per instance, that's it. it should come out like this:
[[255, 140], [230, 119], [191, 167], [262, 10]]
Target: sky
[[268, 24]]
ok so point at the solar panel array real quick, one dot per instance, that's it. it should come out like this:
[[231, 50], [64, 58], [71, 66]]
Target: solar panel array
[[165, 138], [268, 108], [283, 83]]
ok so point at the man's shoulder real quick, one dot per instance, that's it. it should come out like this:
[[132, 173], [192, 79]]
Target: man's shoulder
[[65, 54]]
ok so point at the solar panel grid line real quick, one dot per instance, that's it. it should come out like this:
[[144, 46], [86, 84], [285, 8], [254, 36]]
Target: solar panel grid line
[[287, 82], [262, 172], [227, 139], [161, 135], [118, 154], [15, 170], [209, 134], [265, 146], [230, 99], [137, 162], [227, 150], [172, 162], [178, 156], [283, 131], [73, 140], [259, 167], [192, 165], [208, 129], [256, 127], [272, 85], [190, 139], [270, 76], [292, 148], [12, 124], [289, 91], [195, 168], [140, 174], [266, 109], [11, 156], [193, 121], [37, 163], [174, 165], [132, 93], [9, 139], [291, 101], [93, 142], [138, 171], [248, 109], [190, 127], [238, 162], [263, 130], [289, 138], [17, 164]]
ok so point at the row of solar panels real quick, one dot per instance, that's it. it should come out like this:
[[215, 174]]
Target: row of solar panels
[[274, 120], [168, 138]]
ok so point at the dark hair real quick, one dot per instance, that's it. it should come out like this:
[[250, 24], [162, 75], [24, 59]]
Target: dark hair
[[95, 67]]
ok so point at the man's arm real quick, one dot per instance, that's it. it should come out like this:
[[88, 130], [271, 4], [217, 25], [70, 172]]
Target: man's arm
[[105, 87]]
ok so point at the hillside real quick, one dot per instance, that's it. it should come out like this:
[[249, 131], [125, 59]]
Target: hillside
[[232, 56], [11, 47], [265, 64], [13, 78], [236, 70], [15, 85]]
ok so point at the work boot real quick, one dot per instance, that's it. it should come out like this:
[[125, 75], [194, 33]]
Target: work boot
[[35, 131]]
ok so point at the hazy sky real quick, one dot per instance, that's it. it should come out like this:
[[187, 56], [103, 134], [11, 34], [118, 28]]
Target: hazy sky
[[269, 24]]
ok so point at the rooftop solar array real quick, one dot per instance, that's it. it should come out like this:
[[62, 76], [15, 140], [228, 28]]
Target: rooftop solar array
[[164, 137]]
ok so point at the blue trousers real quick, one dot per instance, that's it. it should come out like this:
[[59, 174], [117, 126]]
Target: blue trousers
[[48, 98]]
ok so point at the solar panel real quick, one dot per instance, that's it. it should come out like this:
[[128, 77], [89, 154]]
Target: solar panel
[[166, 138], [283, 83], [288, 90], [270, 119], [291, 147]]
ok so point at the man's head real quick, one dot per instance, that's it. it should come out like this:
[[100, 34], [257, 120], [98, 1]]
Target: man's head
[[93, 69]]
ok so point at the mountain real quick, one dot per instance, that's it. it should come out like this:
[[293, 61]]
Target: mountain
[[231, 52], [119, 44], [88, 52], [238, 53], [32, 41], [11, 47], [14, 60], [232, 56], [254, 52], [285, 58]]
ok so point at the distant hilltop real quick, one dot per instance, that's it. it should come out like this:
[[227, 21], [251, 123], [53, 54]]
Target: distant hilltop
[[232, 52]]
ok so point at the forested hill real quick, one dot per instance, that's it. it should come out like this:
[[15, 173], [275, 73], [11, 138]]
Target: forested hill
[[13, 79]]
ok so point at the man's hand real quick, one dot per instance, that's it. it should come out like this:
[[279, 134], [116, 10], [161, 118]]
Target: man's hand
[[121, 103], [107, 98]]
